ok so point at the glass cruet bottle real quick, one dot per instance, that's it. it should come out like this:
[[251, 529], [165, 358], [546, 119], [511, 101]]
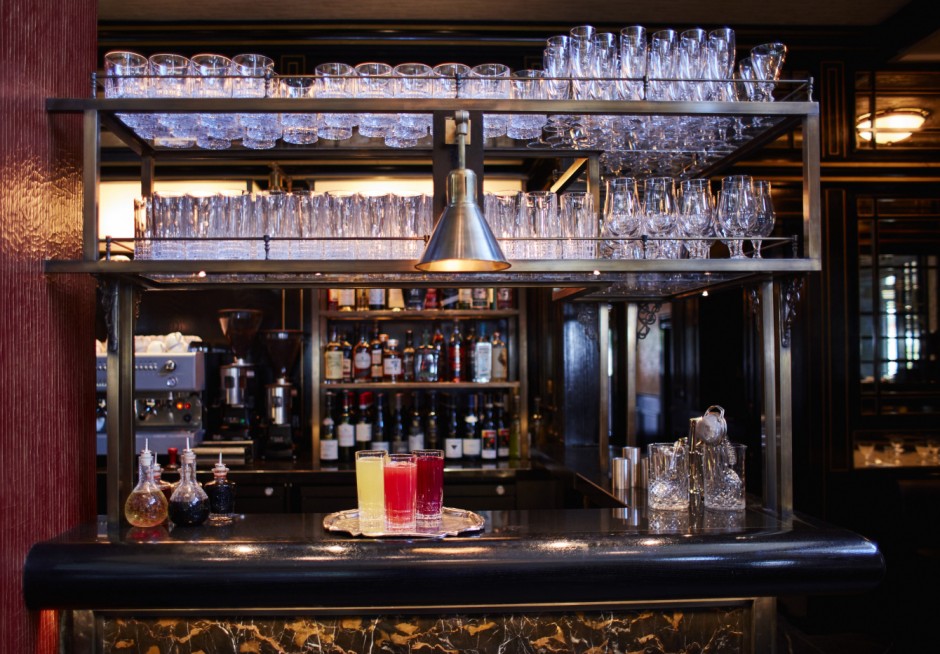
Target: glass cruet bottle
[[165, 487], [221, 494], [145, 506], [189, 504]]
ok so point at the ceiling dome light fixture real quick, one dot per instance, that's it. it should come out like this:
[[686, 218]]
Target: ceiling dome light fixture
[[462, 241], [890, 125]]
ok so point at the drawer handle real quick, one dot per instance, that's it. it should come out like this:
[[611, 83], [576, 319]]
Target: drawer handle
[[268, 491], [500, 490]]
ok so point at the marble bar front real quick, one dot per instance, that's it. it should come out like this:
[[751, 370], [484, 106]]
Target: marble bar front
[[579, 580]]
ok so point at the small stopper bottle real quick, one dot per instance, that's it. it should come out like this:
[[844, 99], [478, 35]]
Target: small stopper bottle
[[145, 506], [165, 487], [189, 504], [221, 494]]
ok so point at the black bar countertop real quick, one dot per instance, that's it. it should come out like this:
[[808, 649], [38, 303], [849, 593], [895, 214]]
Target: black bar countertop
[[522, 558]]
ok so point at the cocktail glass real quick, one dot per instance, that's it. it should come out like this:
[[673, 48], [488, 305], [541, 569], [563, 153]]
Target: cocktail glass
[[430, 487], [400, 492], [370, 485]]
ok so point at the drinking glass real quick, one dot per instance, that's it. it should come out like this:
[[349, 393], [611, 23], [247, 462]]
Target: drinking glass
[[543, 222], [764, 214], [411, 81], [623, 219], [378, 221], [308, 207], [375, 82], [171, 79], [720, 61], [767, 59], [557, 87], [451, 80], [505, 213], [336, 80], [343, 215], [723, 481], [252, 79], [370, 487], [299, 128], [633, 60], [691, 65], [400, 472], [663, 63], [143, 229], [198, 245], [659, 209], [668, 476], [430, 487], [231, 220], [127, 75], [581, 61], [696, 216], [866, 449], [579, 220], [735, 213], [526, 85], [491, 82], [933, 449], [212, 79]]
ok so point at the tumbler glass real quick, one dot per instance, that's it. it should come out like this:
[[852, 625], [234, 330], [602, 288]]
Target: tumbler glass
[[127, 75], [544, 223], [491, 82], [370, 487], [336, 80], [526, 85], [723, 487], [171, 79], [401, 479], [252, 80], [375, 82], [668, 476], [411, 81], [212, 79], [430, 487], [299, 128], [451, 80], [579, 221]]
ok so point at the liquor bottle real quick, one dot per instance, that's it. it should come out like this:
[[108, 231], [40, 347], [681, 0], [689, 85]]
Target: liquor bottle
[[470, 442], [537, 424], [329, 446], [347, 350], [399, 438], [395, 300], [515, 431], [347, 299], [504, 299], [483, 358], [377, 372], [464, 298], [469, 354], [439, 343], [362, 358], [392, 364], [414, 300], [362, 299], [379, 432], [165, 487], [333, 360], [499, 359], [426, 360], [415, 425], [376, 299], [453, 446], [479, 298], [221, 492], [449, 298], [408, 357], [189, 504], [432, 440], [364, 424], [431, 300], [502, 429], [488, 433], [455, 354], [146, 506], [345, 430], [332, 299]]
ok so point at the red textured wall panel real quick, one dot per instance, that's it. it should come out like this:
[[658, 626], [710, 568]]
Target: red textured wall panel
[[47, 48]]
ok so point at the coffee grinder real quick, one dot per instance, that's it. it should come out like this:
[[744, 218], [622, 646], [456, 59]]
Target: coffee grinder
[[283, 346], [239, 327]]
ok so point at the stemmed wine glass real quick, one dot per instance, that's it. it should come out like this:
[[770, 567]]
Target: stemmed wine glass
[[767, 60], [623, 219], [764, 214], [659, 208], [735, 215], [696, 216]]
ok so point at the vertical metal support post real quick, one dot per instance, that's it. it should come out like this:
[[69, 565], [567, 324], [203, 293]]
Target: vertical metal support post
[[120, 397], [90, 178], [317, 328], [443, 160], [764, 625], [521, 338], [603, 418], [785, 380], [769, 329], [629, 360], [812, 210], [594, 182], [147, 175]]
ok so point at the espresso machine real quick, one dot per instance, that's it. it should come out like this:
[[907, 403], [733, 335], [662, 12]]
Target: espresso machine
[[239, 327], [283, 347]]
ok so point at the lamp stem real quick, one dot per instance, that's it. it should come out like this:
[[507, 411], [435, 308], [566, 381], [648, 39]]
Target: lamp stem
[[461, 118]]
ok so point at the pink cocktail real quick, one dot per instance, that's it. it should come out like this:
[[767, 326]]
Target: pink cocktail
[[400, 492], [430, 493]]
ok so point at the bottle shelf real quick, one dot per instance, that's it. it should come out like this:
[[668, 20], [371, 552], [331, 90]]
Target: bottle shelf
[[418, 386], [429, 314]]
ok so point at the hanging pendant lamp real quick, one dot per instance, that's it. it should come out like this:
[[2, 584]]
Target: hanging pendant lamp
[[462, 240]]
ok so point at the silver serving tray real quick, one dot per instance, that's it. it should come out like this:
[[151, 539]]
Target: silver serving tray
[[453, 523]]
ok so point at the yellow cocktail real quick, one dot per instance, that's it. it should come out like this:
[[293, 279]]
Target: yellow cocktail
[[370, 485]]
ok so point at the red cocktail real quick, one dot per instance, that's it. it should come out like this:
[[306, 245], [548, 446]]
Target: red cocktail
[[430, 492], [400, 492]]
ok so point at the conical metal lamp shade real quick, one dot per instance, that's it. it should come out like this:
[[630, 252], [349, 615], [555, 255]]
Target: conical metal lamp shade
[[461, 240]]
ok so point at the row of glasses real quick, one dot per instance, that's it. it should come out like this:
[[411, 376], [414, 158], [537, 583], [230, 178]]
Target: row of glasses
[[400, 493], [542, 224], [280, 225]]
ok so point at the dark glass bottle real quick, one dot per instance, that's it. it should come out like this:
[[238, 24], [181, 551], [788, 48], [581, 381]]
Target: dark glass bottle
[[329, 446], [515, 430], [449, 298], [427, 360], [347, 350], [379, 430], [376, 299], [469, 354], [416, 424], [362, 299], [537, 424], [431, 300], [504, 299], [488, 433], [439, 343], [453, 445], [221, 492], [189, 504], [502, 429], [415, 299], [376, 350], [362, 358], [470, 442], [364, 424], [432, 440], [345, 430], [455, 348], [399, 438], [408, 357]]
